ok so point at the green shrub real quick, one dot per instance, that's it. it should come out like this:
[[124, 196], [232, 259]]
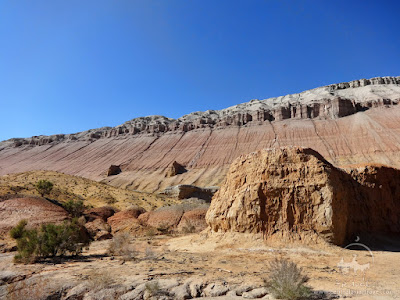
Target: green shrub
[[44, 187], [49, 241], [74, 208], [286, 281]]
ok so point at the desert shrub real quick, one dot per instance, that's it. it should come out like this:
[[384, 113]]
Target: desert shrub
[[188, 227], [286, 281], [154, 290], [151, 232], [120, 246], [164, 229], [110, 200], [75, 208], [44, 187], [99, 279], [49, 241], [149, 253]]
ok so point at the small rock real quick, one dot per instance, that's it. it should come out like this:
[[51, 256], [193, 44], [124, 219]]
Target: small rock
[[136, 294], [181, 292], [215, 290], [231, 294], [195, 288], [243, 288], [256, 293]]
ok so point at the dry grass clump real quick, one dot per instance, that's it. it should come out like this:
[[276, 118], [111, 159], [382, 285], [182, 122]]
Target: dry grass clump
[[98, 280], [286, 281], [120, 246]]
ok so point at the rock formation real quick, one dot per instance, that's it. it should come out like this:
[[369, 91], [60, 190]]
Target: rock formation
[[113, 170], [348, 123], [294, 193], [174, 169], [36, 211], [185, 191]]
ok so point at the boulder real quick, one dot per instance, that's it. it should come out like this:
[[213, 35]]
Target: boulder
[[126, 220], [166, 217], [98, 229], [295, 194], [36, 211], [174, 169], [193, 220], [113, 170]]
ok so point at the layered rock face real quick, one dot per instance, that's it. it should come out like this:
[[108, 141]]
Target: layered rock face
[[348, 123], [36, 211], [294, 193]]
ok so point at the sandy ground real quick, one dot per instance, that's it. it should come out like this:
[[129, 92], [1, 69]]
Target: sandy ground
[[213, 258]]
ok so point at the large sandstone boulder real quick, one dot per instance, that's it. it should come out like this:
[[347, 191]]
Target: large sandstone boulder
[[193, 220], [35, 211], [294, 193], [126, 220]]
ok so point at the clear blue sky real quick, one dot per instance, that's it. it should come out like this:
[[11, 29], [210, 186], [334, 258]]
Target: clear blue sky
[[68, 66]]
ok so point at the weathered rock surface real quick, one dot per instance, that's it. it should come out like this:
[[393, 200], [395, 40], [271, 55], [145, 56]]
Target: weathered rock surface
[[193, 220], [348, 123], [126, 220], [36, 211], [98, 229], [294, 193]]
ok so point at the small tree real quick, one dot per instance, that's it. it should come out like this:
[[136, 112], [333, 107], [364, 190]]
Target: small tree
[[44, 187], [74, 208], [49, 241]]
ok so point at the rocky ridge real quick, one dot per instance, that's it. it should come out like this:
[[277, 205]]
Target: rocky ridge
[[348, 123], [331, 101]]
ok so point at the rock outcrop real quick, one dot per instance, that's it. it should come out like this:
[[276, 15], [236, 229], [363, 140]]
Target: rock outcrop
[[185, 191], [113, 170], [294, 193], [348, 123], [36, 211], [126, 220], [174, 169]]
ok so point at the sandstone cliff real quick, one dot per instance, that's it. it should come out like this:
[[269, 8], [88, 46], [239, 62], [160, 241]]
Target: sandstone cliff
[[295, 194], [348, 123]]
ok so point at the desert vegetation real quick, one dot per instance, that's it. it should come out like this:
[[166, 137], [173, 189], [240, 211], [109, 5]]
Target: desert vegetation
[[50, 240], [44, 187], [286, 281]]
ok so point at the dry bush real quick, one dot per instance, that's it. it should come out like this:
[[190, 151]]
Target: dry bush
[[286, 281], [154, 290], [164, 229], [98, 280], [151, 232], [120, 246], [149, 253], [188, 227]]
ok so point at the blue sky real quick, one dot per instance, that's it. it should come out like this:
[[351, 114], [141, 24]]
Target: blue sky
[[68, 66]]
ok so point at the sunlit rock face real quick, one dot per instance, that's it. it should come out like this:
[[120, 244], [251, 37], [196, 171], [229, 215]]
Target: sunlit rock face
[[295, 194]]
